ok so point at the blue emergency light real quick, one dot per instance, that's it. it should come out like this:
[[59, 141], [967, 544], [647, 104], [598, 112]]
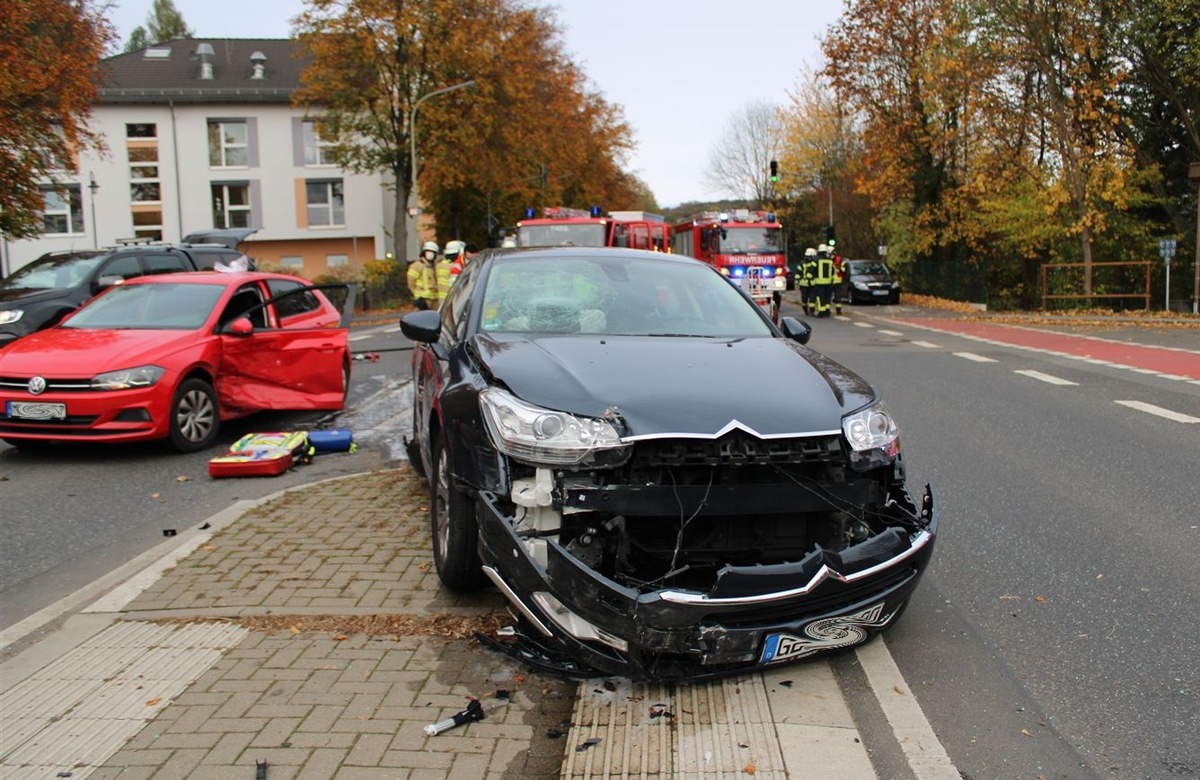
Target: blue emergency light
[[530, 213], [770, 216], [597, 211], [738, 272]]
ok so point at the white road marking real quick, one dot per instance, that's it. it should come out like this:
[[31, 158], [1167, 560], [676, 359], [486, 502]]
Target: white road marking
[[1047, 378], [891, 333], [926, 756], [1159, 411], [362, 337], [863, 324], [925, 344], [974, 357]]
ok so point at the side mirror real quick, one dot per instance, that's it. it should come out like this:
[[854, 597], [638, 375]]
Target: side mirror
[[796, 330], [422, 326], [241, 327]]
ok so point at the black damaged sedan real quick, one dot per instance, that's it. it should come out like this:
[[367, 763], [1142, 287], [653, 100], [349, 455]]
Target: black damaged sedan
[[662, 483]]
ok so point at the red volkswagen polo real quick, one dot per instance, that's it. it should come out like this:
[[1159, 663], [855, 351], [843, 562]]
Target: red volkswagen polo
[[171, 356]]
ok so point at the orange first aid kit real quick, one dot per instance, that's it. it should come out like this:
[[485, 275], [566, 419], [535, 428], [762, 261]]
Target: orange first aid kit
[[262, 455]]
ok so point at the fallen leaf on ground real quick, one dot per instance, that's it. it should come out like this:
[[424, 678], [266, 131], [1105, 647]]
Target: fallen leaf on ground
[[152, 702], [899, 690], [1040, 599], [1027, 732], [182, 478], [749, 769]]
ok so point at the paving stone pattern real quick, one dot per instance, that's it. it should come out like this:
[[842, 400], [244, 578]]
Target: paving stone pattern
[[327, 704]]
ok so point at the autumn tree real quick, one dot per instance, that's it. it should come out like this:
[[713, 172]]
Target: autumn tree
[[373, 60], [820, 159], [164, 23], [738, 165], [907, 70], [49, 55]]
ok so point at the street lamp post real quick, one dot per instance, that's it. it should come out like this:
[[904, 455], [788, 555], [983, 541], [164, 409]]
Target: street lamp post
[[1194, 175], [415, 209], [93, 186]]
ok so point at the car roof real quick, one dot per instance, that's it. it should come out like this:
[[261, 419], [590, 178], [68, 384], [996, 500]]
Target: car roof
[[509, 254], [214, 277]]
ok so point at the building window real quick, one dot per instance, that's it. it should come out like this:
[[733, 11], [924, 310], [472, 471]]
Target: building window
[[62, 211], [291, 261], [325, 203], [145, 192], [228, 144], [333, 261], [231, 205], [317, 151], [141, 130]]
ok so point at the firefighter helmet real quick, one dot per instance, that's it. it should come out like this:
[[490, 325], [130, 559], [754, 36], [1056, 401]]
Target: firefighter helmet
[[454, 248], [810, 252]]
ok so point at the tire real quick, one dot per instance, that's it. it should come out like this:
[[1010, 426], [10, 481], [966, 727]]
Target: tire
[[194, 421], [453, 527], [895, 299], [345, 381]]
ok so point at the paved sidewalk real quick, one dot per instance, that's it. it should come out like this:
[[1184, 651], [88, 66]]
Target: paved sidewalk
[[309, 631]]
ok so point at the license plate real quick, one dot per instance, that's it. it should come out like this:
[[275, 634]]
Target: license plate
[[879, 292], [826, 634], [34, 410]]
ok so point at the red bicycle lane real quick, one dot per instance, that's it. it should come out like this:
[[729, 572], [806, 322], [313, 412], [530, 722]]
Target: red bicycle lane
[[1163, 360]]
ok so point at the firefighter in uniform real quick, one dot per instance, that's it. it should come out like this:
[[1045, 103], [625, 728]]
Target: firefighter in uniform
[[456, 256], [839, 292], [804, 277], [822, 283], [421, 276], [444, 274]]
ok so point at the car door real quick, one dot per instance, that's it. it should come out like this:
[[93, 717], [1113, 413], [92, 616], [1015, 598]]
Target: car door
[[295, 366]]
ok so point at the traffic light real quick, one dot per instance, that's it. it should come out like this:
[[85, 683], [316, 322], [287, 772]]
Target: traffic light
[[830, 236], [774, 171]]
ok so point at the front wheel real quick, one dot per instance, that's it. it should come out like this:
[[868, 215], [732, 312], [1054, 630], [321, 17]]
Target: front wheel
[[194, 417], [453, 525]]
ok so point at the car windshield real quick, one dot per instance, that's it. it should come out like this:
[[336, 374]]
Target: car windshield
[[613, 295], [868, 268], [53, 273], [561, 235], [150, 307], [742, 240]]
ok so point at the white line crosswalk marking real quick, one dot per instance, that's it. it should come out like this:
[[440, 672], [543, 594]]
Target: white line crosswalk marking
[[1047, 378], [1159, 411]]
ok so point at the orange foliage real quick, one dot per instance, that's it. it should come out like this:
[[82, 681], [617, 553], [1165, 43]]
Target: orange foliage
[[49, 56]]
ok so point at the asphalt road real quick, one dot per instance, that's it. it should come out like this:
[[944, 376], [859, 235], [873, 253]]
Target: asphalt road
[[1054, 636], [71, 513], [1061, 610]]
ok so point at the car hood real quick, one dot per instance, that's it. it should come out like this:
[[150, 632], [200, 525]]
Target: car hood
[[13, 298], [679, 386], [871, 278], [67, 352]]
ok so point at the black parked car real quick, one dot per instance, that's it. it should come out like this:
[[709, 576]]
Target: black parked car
[[40, 294], [662, 483], [869, 281]]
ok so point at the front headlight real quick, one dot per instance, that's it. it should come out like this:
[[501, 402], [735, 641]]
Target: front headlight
[[142, 376], [547, 437], [9, 316], [873, 436], [860, 285]]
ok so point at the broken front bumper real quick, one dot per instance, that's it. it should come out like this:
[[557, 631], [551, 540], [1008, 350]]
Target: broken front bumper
[[781, 612]]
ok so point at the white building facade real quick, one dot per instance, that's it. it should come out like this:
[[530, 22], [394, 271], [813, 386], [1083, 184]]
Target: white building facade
[[202, 135]]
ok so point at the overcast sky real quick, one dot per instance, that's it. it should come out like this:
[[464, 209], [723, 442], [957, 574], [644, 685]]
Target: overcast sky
[[678, 68]]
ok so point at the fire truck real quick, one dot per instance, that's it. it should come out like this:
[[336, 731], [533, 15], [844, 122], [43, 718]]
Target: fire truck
[[746, 246], [562, 226]]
